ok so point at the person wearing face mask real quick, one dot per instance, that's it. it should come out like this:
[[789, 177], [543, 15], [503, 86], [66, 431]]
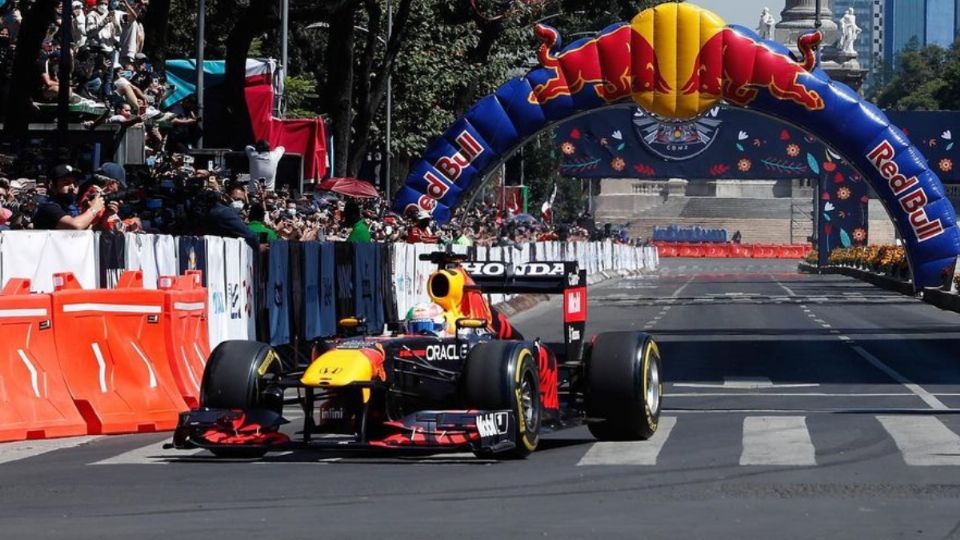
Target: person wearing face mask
[[291, 211], [61, 210], [238, 197], [78, 20], [214, 215]]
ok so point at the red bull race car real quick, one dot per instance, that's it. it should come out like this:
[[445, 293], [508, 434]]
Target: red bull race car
[[453, 376]]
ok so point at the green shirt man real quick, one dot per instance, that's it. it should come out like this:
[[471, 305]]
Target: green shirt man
[[360, 233]]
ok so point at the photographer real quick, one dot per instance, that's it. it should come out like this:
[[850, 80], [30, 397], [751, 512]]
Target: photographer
[[110, 183], [61, 210]]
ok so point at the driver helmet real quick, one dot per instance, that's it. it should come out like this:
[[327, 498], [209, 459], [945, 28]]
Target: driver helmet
[[426, 318]]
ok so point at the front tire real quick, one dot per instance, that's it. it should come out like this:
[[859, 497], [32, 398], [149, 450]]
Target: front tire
[[624, 387], [504, 375], [236, 375]]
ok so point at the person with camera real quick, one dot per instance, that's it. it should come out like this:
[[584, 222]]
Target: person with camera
[[61, 210], [109, 183]]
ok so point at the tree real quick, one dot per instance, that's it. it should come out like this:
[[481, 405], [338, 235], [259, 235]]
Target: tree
[[926, 79]]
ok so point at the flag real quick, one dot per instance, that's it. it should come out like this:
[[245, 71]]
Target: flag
[[547, 209]]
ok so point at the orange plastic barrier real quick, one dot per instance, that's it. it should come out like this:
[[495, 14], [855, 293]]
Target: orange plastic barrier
[[112, 349], [34, 400], [188, 344], [756, 251]]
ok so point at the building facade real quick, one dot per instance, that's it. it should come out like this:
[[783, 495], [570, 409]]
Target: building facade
[[925, 22]]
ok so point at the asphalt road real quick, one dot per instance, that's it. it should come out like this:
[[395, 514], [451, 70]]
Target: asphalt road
[[796, 407]]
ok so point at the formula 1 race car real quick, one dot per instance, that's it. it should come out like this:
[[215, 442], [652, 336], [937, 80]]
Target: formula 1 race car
[[474, 384]]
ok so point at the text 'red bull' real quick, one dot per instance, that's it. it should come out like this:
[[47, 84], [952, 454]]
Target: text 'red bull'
[[450, 168], [911, 200]]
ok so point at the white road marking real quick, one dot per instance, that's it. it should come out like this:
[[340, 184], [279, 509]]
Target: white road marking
[[151, 454], [744, 383], [632, 452], [799, 410], [918, 390], [923, 440], [15, 451], [777, 440], [786, 394], [677, 292], [782, 286]]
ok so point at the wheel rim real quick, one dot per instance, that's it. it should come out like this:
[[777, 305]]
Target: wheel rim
[[528, 408], [653, 385]]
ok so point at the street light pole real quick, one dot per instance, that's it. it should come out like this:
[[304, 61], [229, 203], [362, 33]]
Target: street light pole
[[66, 63], [389, 152], [201, 28]]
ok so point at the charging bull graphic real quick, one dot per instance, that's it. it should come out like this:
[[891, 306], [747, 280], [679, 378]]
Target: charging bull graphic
[[677, 61]]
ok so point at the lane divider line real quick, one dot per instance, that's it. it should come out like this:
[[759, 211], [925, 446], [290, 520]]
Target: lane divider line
[[918, 390]]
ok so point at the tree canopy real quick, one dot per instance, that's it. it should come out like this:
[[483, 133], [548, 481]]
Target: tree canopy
[[926, 79]]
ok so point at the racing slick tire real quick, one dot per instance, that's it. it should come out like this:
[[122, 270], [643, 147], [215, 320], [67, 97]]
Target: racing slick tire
[[624, 387], [504, 375], [234, 378]]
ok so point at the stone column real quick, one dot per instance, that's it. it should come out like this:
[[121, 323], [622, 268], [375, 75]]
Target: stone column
[[798, 16]]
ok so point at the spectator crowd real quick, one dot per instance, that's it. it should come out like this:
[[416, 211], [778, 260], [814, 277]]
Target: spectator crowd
[[173, 196], [113, 82]]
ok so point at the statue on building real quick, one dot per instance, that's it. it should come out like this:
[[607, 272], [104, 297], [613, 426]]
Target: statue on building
[[767, 23], [849, 32]]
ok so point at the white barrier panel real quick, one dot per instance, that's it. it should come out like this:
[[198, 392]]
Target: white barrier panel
[[218, 320], [410, 274], [37, 255], [140, 253]]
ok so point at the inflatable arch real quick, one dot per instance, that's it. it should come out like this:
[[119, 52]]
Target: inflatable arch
[[677, 61]]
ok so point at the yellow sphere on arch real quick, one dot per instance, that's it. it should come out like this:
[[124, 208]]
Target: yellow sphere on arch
[[677, 55]]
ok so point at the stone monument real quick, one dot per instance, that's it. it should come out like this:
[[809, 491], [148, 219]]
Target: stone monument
[[799, 16], [767, 24], [837, 54]]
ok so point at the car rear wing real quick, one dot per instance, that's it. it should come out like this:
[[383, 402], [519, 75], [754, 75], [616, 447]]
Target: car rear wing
[[566, 278], [549, 277]]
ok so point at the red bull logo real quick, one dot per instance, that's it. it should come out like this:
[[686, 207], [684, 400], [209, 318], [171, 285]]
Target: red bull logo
[[911, 200], [602, 64], [677, 61]]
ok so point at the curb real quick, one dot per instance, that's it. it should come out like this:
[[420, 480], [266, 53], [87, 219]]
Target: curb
[[880, 280], [942, 299], [935, 297]]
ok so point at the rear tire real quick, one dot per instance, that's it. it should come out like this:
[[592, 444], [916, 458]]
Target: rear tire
[[624, 387], [235, 378], [503, 375]]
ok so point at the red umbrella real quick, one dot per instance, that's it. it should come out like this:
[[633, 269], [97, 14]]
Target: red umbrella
[[351, 187]]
